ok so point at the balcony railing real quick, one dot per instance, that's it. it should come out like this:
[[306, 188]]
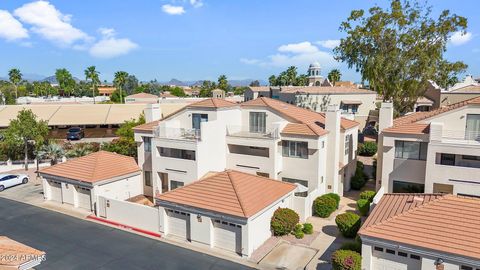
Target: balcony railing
[[244, 131], [462, 136], [178, 133]]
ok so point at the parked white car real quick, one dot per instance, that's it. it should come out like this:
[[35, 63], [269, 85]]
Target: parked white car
[[10, 180]]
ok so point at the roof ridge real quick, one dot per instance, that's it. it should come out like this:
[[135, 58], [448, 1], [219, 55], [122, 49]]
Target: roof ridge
[[240, 201]]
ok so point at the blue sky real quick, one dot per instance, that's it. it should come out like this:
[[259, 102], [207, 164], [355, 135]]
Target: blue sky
[[191, 39]]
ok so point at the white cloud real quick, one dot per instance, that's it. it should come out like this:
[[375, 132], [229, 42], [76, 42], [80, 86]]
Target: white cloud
[[50, 23], [11, 28], [295, 54], [110, 46], [460, 38], [173, 10], [329, 43], [196, 3]]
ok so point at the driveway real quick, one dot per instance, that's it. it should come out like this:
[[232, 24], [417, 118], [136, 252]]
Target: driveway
[[72, 243]]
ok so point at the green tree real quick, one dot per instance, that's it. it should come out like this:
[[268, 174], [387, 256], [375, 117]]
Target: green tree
[[119, 81], [65, 81], [291, 75], [223, 82], [397, 50], [125, 144], [51, 151], [334, 76], [15, 77], [93, 75], [177, 91], [206, 88], [255, 83], [25, 130], [272, 80]]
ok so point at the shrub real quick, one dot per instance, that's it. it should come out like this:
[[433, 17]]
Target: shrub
[[363, 206], [334, 196], [307, 228], [353, 246], [298, 228], [346, 260], [283, 221], [360, 165], [368, 195], [324, 206], [357, 182], [348, 224], [367, 149], [299, 234]]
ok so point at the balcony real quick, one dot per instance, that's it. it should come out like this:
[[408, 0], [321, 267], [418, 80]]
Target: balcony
[[461, 136], [178, 133], [244, 132]]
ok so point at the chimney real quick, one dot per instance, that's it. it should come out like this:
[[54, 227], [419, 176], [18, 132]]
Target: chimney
[[332, 125], [385, 117], [152, 112]]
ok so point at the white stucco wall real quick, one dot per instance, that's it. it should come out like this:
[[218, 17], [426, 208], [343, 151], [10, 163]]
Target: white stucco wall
[[121, 189]]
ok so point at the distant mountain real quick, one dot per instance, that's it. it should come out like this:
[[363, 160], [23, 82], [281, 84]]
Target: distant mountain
[[245, 82], [53, 79], [30, 77]]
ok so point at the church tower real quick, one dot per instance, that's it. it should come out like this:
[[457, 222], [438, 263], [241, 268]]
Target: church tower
[[314, 77]]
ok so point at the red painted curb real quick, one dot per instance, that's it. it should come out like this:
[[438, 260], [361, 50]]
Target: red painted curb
[[124, 226]]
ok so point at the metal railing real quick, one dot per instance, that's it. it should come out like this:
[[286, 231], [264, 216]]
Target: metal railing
[[462, 136], [247, 132], [178, 133]]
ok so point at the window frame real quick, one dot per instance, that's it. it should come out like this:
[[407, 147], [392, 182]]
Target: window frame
[[147, 144], [257, 122], [177, 153], [295, 149], [400, 149], [178, 184]]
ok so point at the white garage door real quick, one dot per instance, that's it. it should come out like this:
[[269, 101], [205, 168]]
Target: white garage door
[[84, 200], [179, 224], [55, 190], [388, 259], [227, 236]]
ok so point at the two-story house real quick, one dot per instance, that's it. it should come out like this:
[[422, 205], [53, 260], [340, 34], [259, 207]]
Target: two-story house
[[263, 137], [436, 151]]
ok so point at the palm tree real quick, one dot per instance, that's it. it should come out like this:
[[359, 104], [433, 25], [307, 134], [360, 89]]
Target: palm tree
[[53, 151], [80, 151], [15, 77], [64, 79], [119, 81], [92, 75], [334, 76]]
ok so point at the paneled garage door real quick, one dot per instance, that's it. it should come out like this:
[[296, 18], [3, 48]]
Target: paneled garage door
[[55, 190], [84, 200], [389, 259], [179, 224], [227, 236]]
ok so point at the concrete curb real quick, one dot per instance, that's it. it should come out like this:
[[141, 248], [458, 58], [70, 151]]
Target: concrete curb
[[123, 226]]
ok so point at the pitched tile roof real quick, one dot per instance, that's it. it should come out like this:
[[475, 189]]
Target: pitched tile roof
[[142, 95], [409, 124], [14, 254], [212, 103], [98, 166], [445, 223], [230, 192]]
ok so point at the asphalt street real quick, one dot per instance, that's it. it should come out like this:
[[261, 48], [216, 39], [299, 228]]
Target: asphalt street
[[71, 243]]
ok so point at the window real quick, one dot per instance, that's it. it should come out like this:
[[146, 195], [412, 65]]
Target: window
[[197, 119], [175, 184], [407, 187], [147, 144], [378, 249], [415, 257], [464, 267], [295, 149], [402, 254], [147, 178], [347, 144], [258, 122], [390, 251], [411, 150], [447, 159], [177, 153], [468, 157], [301, 182]]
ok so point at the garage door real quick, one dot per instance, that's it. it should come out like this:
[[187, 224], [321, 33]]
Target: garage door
[[179, 224], [388, 259], [84, 200], [227, 236], [55, 190]]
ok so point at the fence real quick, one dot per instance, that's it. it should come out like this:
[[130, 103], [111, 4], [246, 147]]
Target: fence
[[9, 165]]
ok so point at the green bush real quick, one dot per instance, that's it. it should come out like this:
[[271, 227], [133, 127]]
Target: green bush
[[357, 182], [283, 221], [367, 149], [360, 165], [363, 206], [348, 224], [334, 196], [346, 260], [298, 228], [324, 206], [368, 195], [307, 228], [353, 246], [299, 234]]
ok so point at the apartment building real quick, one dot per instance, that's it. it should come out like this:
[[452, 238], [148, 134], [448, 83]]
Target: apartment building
[[263, 137], [436, 151]]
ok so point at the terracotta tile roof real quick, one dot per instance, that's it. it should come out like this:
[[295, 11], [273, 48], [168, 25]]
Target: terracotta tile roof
[[424, 101], [345, 84], [304, 116], [299, 129], [467, 89], [147, 126], [230, 192], [98, 166], [14, 254], [212, 103], [445, 223], [408, 124], [142, 95]]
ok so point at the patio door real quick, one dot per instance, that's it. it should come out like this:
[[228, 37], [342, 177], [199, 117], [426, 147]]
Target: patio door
[[472, 130], [197, 119], [258, 122]]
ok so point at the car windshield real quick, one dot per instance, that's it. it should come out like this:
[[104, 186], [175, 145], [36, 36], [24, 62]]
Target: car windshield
[[74, 129]]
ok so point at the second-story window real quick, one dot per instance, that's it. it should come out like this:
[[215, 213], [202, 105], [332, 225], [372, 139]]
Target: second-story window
[[411, 150], [177, 153], [258, 122], [295, 149], [347, 143], [147, 144], [197, 119]]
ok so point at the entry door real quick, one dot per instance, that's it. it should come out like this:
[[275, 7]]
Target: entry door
[[55, 191], [179, 224], [84, 200], [472, 130], [227, 236]]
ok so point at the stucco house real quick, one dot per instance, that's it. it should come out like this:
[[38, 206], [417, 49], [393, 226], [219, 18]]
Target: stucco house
[[229, 210], [422, 232], [79, 181]]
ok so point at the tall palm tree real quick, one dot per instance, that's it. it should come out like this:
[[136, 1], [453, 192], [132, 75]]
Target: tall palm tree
[[64, 79], [334, 76], [92, 75], [15, 77], [52, 151], [119, 81]]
